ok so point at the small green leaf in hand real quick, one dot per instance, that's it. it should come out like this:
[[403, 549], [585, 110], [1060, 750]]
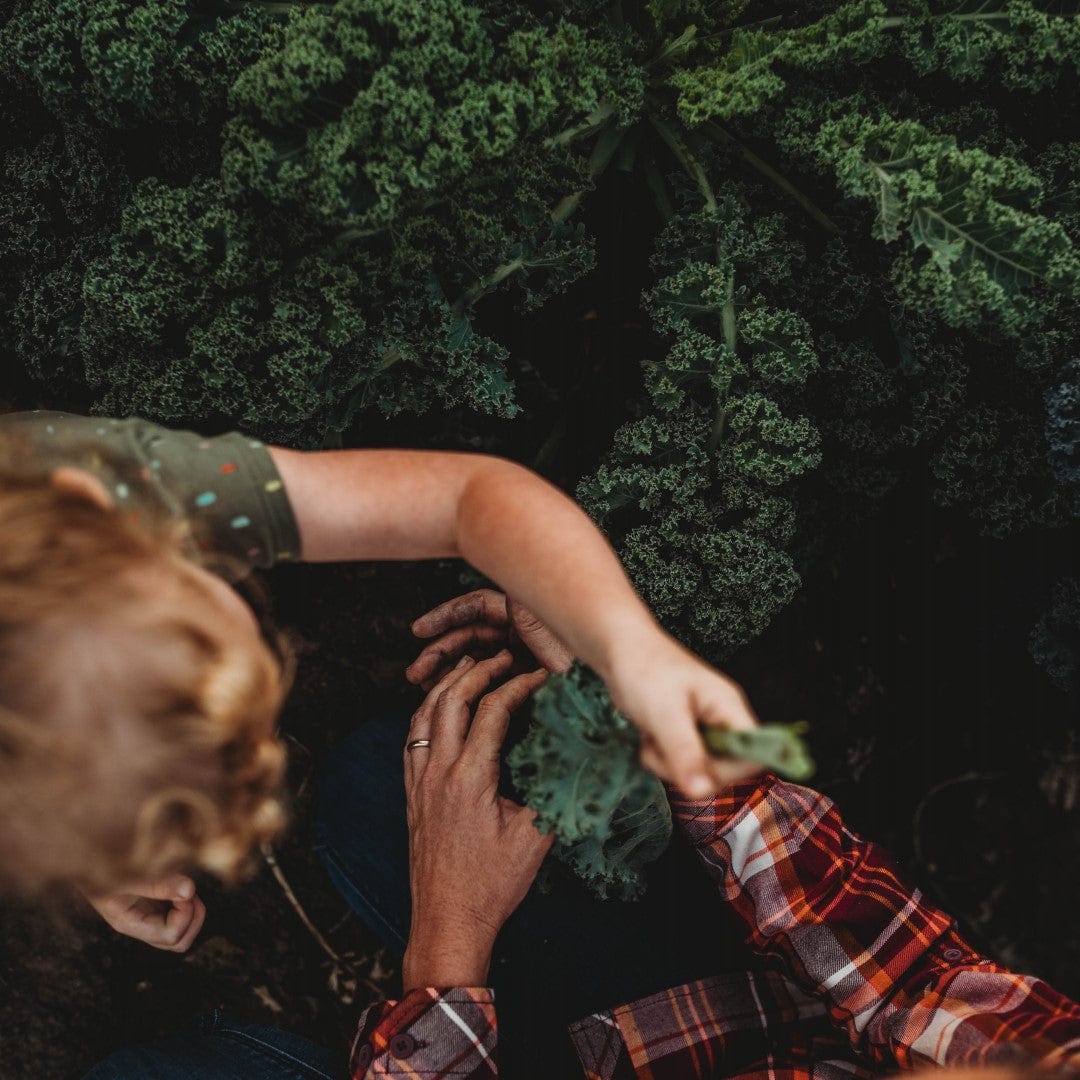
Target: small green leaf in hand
[[778, 747]]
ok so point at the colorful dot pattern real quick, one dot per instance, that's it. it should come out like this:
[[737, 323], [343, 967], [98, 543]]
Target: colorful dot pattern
[[226, 488]]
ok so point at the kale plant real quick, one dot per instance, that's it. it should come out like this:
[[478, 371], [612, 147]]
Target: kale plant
[[291, 217], [578, 768]]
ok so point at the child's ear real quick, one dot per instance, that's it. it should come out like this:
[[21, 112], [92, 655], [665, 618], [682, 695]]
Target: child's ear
[[83, 485]]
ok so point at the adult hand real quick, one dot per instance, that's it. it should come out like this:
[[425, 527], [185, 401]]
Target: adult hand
[[166, 914], [481, 621], [667, 691], [472, 853]]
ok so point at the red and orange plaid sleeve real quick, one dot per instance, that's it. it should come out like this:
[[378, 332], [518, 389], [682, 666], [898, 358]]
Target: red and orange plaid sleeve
[[429, 1033], [832, 912]]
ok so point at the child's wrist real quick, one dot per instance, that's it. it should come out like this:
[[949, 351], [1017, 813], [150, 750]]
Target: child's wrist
[[634, 650]]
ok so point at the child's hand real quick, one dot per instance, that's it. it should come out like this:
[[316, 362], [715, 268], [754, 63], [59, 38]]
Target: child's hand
[[669, 694], [166, 914], [481, 623]]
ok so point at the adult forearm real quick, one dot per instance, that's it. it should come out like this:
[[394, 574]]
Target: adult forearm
[[542, 549]]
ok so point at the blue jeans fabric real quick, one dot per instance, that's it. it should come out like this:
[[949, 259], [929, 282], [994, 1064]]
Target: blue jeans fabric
[[219, 1050]]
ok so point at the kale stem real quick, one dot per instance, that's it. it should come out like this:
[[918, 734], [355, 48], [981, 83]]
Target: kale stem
[[691, 164], [602, 152], [658, 185], [893, 22], [596, 119], [715, 132], [716, 435], [674, 48], [389, 358], [686, 159]]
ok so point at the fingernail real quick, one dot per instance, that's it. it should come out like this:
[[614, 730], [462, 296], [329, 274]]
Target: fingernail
[[699, 787], [186, 890], [463, 661]]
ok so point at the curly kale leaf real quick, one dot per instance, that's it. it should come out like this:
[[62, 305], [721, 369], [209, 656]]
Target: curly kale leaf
[[708, 555], [768, 446], [578, 769], [370, 105], [151, 61], [60, 196], [201, 309], [992, 462], [979, 245], [751, 71], [1055, 641], [1063, 430], [1032, 40]]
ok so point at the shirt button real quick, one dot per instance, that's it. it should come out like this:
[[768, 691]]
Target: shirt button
[[363, 1059], [952, 954], [401, 1046]]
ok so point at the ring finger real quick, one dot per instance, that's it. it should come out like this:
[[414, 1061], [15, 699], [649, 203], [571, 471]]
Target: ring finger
[[420, 726]]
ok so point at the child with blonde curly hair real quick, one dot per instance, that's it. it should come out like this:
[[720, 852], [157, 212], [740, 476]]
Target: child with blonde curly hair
[[138, 697]]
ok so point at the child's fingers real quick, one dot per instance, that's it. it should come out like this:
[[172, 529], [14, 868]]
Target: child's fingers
[[723, 771], [446, 652], [481, 605], [680, 756], [728, 771], [176, 887], [182, 925]]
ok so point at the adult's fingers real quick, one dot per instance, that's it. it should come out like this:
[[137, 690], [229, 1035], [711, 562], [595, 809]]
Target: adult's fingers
[[453, 710], [447, 650], [421, 725], [550, 651], [480, 605], [492, 717]]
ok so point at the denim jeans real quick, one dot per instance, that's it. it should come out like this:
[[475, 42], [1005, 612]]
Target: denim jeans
[[219, 1050], [563, 953]]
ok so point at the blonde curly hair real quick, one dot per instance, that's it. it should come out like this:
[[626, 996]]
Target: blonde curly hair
[[137, 725]]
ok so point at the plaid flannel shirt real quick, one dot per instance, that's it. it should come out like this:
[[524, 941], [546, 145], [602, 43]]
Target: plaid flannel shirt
[[860, 975]]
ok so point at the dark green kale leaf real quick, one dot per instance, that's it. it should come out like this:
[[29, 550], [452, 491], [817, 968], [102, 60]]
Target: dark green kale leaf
[[578, 769], [1055, 641]]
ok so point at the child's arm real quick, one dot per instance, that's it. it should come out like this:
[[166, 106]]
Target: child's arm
[[544, 551], [831, 910]]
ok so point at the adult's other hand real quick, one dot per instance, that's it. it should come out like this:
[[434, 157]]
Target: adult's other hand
[[480, 622], [472, 853]]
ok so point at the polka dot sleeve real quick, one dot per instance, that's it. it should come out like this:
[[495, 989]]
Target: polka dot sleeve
[[227, 488]]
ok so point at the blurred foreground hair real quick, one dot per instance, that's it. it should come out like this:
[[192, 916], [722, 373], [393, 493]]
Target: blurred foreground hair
[[137, 729]]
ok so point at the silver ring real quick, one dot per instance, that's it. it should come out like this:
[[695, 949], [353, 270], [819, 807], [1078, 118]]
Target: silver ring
[[416, 743]]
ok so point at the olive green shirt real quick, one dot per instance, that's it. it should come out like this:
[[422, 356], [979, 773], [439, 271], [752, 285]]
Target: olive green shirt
[[226, 489]]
